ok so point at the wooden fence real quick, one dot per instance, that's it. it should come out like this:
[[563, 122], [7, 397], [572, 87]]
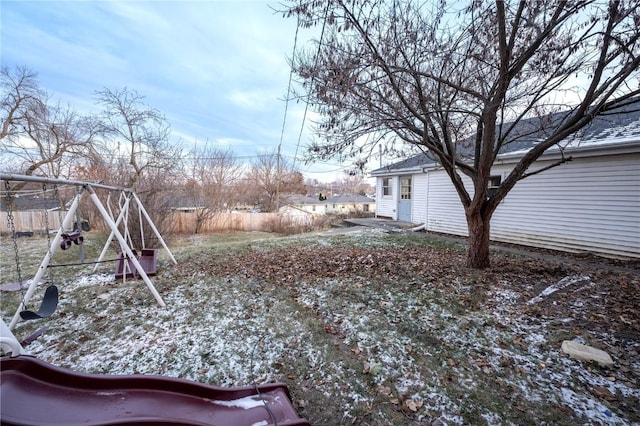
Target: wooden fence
[[181, 222], [32, 221], [185, 222]]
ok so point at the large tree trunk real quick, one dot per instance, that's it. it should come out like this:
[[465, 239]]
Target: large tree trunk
[[479, 225]]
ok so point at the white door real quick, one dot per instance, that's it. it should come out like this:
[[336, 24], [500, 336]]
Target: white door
[[404, 202]]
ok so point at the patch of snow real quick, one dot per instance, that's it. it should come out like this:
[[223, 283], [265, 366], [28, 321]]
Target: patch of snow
[[231, 332], [595, 411], [245, 403], [492, 418], [563, 283]]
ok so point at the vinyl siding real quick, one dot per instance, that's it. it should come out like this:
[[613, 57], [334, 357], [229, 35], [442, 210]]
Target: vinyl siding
[[591, 204], [419, 201], [386, 206], [444, 210]]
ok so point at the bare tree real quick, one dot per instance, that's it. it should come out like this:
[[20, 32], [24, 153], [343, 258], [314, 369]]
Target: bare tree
[[138, 153], [215, 173], [58, 138], [354, 183], [292, 181], [41, 137], [263, 177], [269, 177], [137, 132], [20, 94], [454, 79]]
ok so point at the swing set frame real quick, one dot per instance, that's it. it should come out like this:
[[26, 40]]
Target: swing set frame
[[126, 249]]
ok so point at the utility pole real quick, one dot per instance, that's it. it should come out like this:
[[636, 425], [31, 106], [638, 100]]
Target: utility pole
[[278, 179]]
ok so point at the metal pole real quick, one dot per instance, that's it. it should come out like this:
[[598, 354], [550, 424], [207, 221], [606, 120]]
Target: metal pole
[[45, 262], [125, 247], [39, 179], [8, 341], [106, 245], [153, 227], [79, 225], [141, 225]]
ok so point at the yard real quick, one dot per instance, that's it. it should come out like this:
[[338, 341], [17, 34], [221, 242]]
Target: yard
[[365, 327]]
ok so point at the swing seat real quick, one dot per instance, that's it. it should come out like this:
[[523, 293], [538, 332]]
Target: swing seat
[[47, 307], [33, 336], [148, 260], [69, 238]]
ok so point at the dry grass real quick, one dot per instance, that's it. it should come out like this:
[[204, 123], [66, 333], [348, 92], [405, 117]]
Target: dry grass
[[365, 328]]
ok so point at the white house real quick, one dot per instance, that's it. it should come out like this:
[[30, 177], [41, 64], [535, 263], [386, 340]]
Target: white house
[[589, 204], [350, 203], [311, 205], [338, 204]]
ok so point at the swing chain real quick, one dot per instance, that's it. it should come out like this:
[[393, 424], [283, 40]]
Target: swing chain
[[12, 228]]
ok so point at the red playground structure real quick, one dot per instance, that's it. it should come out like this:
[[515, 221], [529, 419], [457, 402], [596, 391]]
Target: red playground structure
[[33, 392]]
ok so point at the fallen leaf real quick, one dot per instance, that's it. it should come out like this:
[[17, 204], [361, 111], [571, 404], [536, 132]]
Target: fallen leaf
[[330, 329], [481, 362], [603, 392], [385, 390], [520, 342], [411, 405]]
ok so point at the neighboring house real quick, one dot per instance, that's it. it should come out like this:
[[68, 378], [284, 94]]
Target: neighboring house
[[338, 204], [301, 210], [351, 203], [30, 203], [589, 204], [296, 215], [185, 203], [311, 205]]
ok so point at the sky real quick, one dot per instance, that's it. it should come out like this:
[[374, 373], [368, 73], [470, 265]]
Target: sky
[[218, 70]]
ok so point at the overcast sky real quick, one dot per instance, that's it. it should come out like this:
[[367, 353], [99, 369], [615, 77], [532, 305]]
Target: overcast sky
[[217, 69]]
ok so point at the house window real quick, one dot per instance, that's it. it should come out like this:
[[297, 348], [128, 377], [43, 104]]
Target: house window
[[494, 183], [386, 186], [365, 207], [313, 208], [405, 188]]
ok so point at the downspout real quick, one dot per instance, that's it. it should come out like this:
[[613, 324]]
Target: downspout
[[419, 227]]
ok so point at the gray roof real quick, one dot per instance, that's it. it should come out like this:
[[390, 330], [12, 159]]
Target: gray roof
[[336, 199], [621, 125], [299, 199], [349, 198], [25, 203]]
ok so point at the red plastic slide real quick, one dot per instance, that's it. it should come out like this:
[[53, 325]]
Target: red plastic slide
[[33, 392]]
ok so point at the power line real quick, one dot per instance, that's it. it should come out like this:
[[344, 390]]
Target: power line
[[315, 64], [286, 102]]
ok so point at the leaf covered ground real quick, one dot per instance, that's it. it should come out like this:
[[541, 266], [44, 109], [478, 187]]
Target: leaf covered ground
[[364, 328]]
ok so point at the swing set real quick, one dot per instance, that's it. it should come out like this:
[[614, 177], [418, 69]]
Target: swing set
[[73, 398], [129, 262]]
